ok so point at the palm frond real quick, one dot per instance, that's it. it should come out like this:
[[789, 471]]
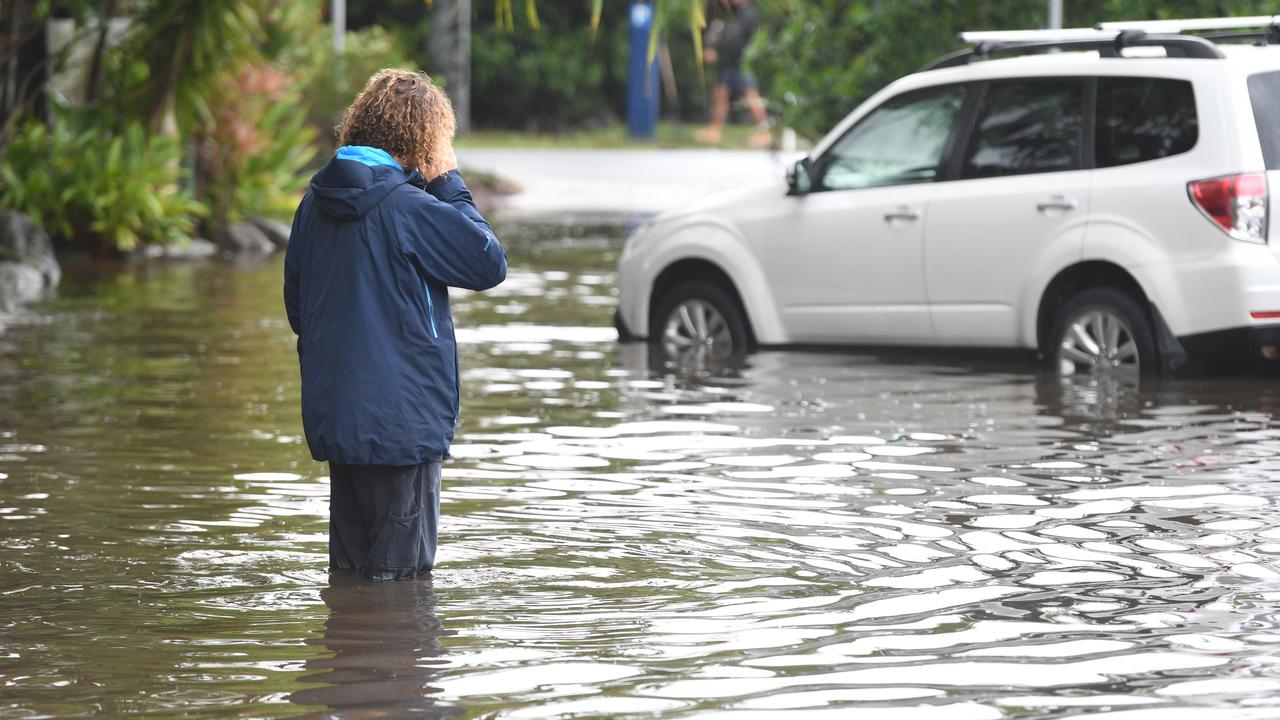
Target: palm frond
[[531, 13], [597, 11]]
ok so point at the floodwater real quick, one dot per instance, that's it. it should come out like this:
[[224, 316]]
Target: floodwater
[[818, 535]]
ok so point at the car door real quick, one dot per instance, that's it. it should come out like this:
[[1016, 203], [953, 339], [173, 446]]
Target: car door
[[846, 262], [1017, 210]]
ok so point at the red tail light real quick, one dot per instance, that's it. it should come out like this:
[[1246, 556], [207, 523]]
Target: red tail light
[[1236, 203]]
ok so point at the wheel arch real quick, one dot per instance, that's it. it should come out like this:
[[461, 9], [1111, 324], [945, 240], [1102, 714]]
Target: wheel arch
[[693, 268], [1077, 278]]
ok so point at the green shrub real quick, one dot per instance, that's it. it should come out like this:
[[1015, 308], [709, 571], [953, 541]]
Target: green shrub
[[310, 59], [549, 79], [96, 189], [821, 58]]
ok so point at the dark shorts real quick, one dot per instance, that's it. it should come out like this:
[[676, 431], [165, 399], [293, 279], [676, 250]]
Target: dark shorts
[[738, 80], [383, 519]]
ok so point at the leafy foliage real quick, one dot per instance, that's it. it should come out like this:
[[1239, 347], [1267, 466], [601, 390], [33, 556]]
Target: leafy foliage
[[547, 81], [323, 93], [184, 48], [214, 68], [573, 72], [96, 188], [820, 58]]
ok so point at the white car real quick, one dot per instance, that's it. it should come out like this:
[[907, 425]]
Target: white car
[[1107, 203]]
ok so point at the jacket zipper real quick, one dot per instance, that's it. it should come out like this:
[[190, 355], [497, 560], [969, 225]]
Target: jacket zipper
[[431, 313]]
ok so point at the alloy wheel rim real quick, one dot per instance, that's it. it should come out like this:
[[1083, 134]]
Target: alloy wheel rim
[[1098, 341], [695, 326]]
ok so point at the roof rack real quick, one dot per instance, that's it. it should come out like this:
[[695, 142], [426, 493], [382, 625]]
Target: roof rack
[[1194, 24], [1108, 42], [1263, 29], [1037, 36]]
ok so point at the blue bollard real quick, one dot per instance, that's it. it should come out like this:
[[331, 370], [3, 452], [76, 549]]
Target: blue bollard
[[642, 78]]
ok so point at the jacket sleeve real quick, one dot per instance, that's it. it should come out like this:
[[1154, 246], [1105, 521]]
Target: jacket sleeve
[[292, 301], [451, 241]]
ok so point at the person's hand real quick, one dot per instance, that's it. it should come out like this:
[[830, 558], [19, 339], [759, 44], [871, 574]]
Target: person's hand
[[710, 55], [447, 160]]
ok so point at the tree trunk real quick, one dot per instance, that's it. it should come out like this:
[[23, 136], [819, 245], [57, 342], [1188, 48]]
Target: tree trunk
[[24, 65], [162, 106], [33, 67], [94, 86]]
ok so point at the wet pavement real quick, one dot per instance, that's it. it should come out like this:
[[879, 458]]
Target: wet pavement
[[909, 537], [635, 180]]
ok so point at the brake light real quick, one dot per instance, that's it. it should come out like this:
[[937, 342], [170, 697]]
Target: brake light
[[1236, 203]]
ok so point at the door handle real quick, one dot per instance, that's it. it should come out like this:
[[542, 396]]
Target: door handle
[[908, 214], [1057, 202]]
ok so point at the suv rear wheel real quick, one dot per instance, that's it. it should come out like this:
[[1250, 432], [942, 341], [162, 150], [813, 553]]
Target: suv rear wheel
[[1103, 330], [698, 321]]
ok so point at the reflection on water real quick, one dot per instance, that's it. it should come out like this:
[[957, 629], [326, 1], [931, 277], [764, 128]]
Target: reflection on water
[[385, 641], [809, 534]]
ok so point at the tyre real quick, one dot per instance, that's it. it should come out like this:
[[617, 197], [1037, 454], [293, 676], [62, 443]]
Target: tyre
[[698, 324], [1103, 331]]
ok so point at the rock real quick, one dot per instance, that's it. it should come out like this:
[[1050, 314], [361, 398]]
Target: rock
[[245, 237], [23, 241], [28, 267], [19, 283], [194, 249], [276, 231]]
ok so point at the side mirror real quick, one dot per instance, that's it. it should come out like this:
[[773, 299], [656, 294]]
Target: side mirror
[[800, 178]]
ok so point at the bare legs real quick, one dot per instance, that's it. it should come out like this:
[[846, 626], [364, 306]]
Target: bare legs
[[720, 114], [759, 138]]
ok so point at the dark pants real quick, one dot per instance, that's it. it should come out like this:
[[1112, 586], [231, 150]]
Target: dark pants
[[383, 519]]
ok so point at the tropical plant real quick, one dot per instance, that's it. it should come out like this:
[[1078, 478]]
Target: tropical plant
[[254, 148], [184, 47], [98, 189]]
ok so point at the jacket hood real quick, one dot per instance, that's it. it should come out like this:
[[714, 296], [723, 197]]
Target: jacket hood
[[355, 180]]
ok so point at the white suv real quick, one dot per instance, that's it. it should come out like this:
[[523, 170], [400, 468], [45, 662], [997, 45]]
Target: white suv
[[1106, 202]]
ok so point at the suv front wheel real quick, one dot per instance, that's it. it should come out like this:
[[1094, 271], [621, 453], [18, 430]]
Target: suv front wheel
[[698, 321], [1103, 331]]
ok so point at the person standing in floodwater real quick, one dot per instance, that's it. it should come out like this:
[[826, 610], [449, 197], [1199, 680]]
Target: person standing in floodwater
[[387, 227]]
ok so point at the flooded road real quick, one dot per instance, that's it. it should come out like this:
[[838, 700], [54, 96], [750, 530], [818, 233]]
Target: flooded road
[[819, 534]]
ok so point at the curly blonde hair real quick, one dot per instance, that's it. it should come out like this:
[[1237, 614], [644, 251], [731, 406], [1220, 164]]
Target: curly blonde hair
[[402, 112]]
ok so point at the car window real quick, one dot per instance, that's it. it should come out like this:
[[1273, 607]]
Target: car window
[[1264, 94], [900, 142], [1027, 126], [1141, 119]]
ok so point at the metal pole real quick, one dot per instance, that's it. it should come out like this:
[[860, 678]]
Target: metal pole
[[449, 54], [461, 90], [339, 21], [1055, 14]]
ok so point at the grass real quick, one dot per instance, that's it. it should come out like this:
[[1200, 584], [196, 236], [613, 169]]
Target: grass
[[669, 135]]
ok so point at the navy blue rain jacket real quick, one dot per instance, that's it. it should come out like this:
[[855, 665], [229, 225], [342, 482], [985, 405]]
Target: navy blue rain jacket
[[372, 254]]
